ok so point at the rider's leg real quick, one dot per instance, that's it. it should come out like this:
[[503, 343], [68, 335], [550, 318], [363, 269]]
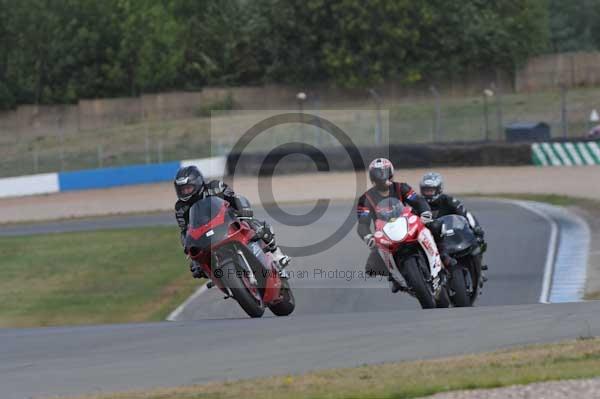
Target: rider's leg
[[436, 231], [265, 232], [375, 265], [196, 269]]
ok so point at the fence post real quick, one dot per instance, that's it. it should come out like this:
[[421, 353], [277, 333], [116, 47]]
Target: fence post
[[378, 127], [437, 122], [147, 145], [36, 161], [319, 128], [100, 156], [487, 94], [499, 109], [563, 111], [143, 120], [159, 151]]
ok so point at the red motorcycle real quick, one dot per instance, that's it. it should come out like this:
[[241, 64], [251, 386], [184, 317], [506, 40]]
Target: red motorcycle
[[410, 253], [228, 251]]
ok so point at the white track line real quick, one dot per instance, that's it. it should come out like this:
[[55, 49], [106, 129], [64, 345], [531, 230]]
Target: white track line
[[570, 270], [174, 315], [552, 246]]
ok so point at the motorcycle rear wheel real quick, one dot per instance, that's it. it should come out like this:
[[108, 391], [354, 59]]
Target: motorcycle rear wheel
[[240, 291], [415, 279]]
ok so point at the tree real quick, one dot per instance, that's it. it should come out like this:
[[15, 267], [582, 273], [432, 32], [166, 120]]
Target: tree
[[218, 45], [572, 25]]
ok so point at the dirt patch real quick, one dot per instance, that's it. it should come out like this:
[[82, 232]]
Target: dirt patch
[[581, 389]]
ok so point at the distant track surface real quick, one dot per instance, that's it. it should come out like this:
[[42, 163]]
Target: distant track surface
[[338, 322]]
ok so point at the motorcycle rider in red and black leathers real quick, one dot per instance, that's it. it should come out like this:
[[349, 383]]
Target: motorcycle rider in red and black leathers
[[381, 173], [190, 187]]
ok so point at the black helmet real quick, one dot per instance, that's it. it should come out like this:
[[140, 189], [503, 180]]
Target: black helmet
[[188, 182], [432, 186], [381, 172]]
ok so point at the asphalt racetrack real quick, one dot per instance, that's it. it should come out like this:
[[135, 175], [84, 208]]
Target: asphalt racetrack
[[341, 319]]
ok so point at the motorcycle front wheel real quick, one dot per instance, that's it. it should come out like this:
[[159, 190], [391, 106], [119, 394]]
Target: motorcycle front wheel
[[458, 285], [416, 280], [242, 290]]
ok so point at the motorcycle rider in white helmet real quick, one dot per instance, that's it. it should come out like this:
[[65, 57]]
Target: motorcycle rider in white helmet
[[381, 173]]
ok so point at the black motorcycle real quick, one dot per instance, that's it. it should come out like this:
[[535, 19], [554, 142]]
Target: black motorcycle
[[465, 278]]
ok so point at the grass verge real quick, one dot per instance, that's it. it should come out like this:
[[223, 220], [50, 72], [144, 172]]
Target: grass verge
[[110, 276], [568, 360]]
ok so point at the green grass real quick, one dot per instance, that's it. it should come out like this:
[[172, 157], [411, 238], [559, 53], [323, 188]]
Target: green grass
[[569, 360], [108, 276], [410, 121]]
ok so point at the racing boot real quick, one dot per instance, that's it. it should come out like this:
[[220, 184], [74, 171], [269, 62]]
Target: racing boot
[[265, 232], [280, 258], [447, 260], [396, 286]]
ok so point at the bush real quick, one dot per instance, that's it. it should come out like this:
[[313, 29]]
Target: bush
[[7, 99], [223, 104]]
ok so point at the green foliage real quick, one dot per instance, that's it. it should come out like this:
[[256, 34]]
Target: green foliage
[[574, 25], [224, 104], [60, 51]]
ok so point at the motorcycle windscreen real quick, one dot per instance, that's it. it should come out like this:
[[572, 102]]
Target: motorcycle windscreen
[[396, 230], [207, 223], [205, 210], [388, 209], [457, 234]]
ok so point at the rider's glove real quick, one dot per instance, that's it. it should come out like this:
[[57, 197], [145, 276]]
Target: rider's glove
[[215, 187], [478, 231], [369, 240], [426, 217]]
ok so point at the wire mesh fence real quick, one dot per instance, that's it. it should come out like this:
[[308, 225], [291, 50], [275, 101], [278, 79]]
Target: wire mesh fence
[[432, 117]]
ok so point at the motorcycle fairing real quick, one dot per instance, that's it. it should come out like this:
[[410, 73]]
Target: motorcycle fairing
[[396, 230], [430, 248]]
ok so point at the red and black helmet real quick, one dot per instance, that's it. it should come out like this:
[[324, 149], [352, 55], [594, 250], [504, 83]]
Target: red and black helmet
[[188, 182], [381, 172]]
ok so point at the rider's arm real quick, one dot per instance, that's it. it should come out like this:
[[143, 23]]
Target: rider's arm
[[365, 214], [455, 205], [181, 215], [220, 189], [410, 197], [238, 202]]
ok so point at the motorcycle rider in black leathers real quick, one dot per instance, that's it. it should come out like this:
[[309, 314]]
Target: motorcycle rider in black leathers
[[190, 187], [432, 189], [441, 204], [381, 172]]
